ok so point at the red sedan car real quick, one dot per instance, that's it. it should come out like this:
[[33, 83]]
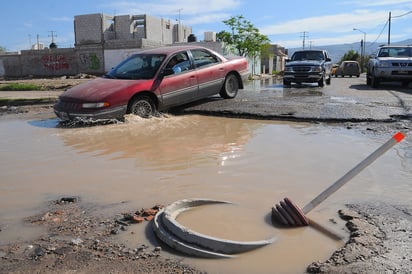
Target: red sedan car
[[154, 80]]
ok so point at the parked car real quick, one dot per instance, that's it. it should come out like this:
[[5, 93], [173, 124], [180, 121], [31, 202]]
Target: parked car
[[308, 66], [154, 80], [391, 63], [348, 68], [334, 69]]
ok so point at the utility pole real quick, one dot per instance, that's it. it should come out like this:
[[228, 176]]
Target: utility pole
[[52, 35], [304, 38], [389, 23], [389, 29], [38, 43]]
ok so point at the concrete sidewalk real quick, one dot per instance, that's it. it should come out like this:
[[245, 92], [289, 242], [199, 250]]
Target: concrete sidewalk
[[33, 94]]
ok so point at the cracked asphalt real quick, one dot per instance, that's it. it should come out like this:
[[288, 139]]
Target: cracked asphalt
[[345, 100]]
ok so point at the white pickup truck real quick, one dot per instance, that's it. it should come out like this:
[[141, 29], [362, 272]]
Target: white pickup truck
[[391, 63]]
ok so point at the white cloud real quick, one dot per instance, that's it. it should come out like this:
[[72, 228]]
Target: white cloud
[[377, 3], [170, 7], [206, 18], [330, 23]]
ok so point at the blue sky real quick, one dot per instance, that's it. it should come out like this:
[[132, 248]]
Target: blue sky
[[284, 22]]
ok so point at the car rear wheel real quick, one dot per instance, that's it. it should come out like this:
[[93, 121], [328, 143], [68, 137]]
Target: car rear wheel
[[230, 87], [142, 106]]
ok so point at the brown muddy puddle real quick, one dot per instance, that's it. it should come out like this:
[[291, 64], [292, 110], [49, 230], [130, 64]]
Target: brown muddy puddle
[[254, 164]]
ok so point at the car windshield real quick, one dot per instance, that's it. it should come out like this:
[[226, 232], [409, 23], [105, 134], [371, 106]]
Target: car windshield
[[307, 55], [396, 52], [138, 66]]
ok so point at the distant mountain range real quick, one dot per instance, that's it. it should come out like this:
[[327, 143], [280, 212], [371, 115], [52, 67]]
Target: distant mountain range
[[337, 51]]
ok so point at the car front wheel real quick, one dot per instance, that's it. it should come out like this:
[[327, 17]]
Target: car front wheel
[[142, 106], [230, 87], [375, 82], [321, 82]]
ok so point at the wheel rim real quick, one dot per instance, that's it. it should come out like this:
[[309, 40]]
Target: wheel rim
[[231, 85], [142, 108]]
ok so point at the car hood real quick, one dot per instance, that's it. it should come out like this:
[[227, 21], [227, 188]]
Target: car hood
[[402, 58], [100, 88], [304, 63]]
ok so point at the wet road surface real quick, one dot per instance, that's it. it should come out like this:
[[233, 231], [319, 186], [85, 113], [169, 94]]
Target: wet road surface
[[346, 99], [253, 163]]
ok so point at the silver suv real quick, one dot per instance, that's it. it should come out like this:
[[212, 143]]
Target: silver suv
[[391, 63], [308, 66]]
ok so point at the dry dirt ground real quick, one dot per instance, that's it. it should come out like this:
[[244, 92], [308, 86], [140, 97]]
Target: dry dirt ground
[[75, 240]]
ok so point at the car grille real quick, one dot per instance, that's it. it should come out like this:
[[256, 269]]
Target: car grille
[[401, 64], [301, 69], [396, 72], [69, 105]]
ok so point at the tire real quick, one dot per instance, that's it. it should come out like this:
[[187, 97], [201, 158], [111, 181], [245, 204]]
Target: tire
[[286, 84], [328, 80], [368, 80], [374, 81], [321, 82], [142, 106], [230, 87]]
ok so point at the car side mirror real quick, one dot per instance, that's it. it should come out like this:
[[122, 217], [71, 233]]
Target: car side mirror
[[328, 59]]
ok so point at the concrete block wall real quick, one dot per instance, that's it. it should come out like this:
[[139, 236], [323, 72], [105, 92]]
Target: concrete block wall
[[48, 62], [52, 63], [123, 27], [90, 60], [10, 66], [88, 29]]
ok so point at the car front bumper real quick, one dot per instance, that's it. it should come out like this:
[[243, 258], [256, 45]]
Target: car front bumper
[[102, 114], [302, 77], [394, 74]]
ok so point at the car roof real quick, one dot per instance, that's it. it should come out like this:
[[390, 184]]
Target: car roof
[[171, 49], [306, 50], [396, 46]]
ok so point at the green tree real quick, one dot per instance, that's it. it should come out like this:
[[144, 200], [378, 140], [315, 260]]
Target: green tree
[[351, 55], [2, 49], [244, 37]]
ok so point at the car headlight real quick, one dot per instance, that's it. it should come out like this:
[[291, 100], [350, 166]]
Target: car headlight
[[95, 105], [288, 69], [317, 69], [383, 64]]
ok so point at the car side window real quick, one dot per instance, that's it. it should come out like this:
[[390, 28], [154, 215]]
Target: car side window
[[204, 58], [178, 63]]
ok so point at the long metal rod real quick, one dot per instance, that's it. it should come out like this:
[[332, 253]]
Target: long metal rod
[[353, 172]]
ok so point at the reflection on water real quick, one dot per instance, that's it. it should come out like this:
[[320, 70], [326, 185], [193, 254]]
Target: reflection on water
[[254, 164], [164, 143], [275, 88]]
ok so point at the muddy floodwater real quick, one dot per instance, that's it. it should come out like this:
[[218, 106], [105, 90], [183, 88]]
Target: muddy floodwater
[[254, 164]]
